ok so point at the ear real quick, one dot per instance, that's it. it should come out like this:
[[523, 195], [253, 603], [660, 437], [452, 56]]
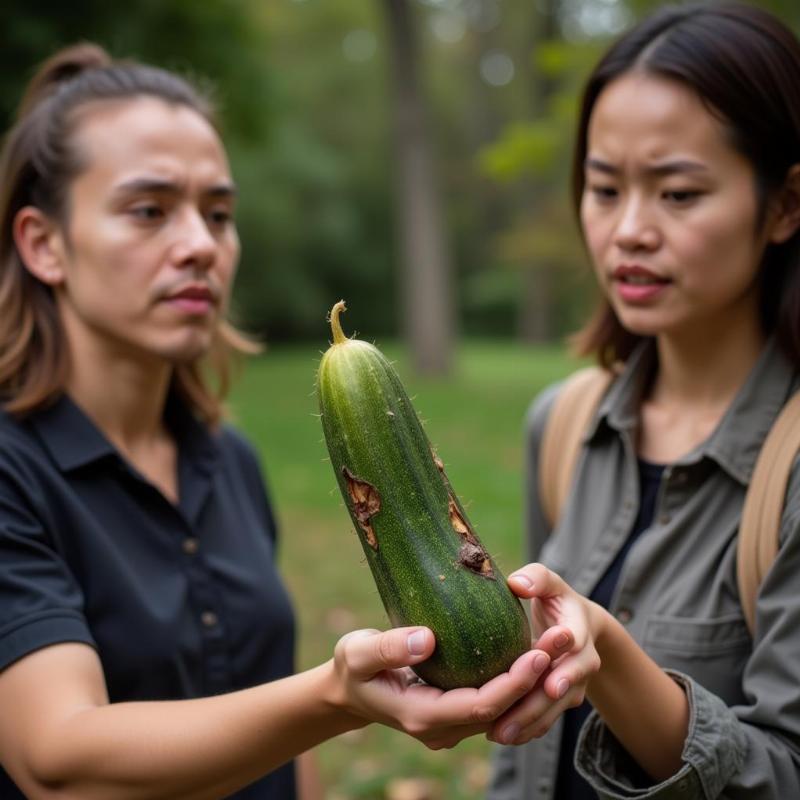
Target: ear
[[786, 221], [40, 244]]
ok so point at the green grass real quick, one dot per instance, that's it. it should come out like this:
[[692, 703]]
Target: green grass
[[474, 421]]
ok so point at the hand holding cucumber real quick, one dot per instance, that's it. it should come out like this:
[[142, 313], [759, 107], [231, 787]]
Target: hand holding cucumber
[[373, 681]]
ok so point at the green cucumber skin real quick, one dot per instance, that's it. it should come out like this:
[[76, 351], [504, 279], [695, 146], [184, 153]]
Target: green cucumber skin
[[371, 428]]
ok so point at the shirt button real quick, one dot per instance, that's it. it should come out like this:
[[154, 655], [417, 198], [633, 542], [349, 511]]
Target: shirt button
[[190, 545], [209, 619], [664, 519], [679, 478], [624, 615]]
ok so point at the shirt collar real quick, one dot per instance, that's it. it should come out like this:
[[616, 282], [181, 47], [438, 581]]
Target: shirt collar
[[74, 441], [737, 439]]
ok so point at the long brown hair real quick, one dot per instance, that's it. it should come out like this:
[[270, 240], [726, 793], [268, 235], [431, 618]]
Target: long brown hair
[[745, 67], [37, 166]]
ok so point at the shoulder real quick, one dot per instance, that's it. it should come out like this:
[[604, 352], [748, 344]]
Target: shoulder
[[539, 411], [240, 455], [233, 442], [790, 524], [20, 448], [579, 396]]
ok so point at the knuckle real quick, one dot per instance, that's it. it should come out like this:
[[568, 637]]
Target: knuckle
[[415, 727], [576, 700], [384, 649], [434, 744], [539, 730], [484, 713]]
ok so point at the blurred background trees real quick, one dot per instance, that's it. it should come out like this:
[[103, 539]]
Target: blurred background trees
[[411, 156]]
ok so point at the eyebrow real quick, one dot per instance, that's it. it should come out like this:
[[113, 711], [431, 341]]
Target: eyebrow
[[159, 186], [666, 168]]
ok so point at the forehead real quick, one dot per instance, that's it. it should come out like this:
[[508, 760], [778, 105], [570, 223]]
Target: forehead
[[121, 139], [646, 117]]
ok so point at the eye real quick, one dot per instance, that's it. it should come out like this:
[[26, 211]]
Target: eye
[[219, 216], [681, 197], [602, 192], [147, 212]]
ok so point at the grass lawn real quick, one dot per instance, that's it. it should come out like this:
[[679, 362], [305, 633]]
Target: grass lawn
[[474, 421]]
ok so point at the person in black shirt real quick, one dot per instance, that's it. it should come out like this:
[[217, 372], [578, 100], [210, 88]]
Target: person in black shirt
[[145, 637]]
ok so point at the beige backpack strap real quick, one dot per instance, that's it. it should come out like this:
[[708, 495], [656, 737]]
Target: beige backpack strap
[[759, 529], [564, 430]]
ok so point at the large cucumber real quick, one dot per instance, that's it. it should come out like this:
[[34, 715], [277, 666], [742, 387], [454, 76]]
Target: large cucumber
[[427, 561]]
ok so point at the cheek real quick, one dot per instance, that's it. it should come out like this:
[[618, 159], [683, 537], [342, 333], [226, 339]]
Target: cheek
[[724, 250], [228, 266], [595, 236]]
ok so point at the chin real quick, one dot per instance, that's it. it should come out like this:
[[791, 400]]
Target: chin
[[187, 351], [642, 324]]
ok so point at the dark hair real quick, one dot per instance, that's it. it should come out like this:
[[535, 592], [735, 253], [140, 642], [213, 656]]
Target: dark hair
[[39, 161], [744, 65]]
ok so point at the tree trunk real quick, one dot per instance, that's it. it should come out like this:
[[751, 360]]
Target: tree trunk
[[427, 284], [536, 317]]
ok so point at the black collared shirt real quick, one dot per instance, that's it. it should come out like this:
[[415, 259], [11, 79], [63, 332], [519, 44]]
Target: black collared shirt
[[179, 601]]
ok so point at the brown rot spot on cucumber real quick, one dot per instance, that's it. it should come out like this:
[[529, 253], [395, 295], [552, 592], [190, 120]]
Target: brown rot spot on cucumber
[[438, 461], [460, 525], [366, 502], [472, 554], [475, 559]]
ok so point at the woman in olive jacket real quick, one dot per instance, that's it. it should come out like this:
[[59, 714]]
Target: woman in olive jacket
[[687, 189]]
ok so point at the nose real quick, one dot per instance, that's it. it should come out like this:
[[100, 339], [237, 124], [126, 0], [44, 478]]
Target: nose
[[195, 245], [636, 229]]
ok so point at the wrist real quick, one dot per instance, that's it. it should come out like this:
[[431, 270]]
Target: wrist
[[601, 623], [335, 698]]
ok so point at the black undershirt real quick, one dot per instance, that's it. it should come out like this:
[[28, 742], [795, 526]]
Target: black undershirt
[[569, 784]]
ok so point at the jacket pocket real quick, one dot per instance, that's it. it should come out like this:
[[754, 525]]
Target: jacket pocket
[[711, 651]]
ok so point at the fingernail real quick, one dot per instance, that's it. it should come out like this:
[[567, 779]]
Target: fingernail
[[522, 580], [562, 687], [416, 643], [510, 732], [540, 663], [561, 640]]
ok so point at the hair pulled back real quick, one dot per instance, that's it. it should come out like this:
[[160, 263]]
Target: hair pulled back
[[38, 163], [744, 65]]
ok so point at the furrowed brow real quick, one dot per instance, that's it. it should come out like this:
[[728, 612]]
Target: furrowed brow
[[678, 167], [147, 186], [598, 165], [159, 186], [223, 190]]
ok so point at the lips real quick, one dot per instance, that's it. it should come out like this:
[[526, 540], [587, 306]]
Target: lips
[[193, 293], [195, 299], [638, 285], [637, 275]]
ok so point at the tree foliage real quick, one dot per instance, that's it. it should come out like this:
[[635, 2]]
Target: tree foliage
[[304, 90]]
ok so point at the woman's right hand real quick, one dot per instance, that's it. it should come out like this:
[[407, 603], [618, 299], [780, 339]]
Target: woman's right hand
[[374, 682], [554, 605]]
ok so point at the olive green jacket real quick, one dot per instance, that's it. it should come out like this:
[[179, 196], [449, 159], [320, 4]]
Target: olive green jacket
[[677, 595]]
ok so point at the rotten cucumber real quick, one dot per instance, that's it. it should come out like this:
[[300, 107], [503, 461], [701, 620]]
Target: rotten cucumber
[[426, 559]]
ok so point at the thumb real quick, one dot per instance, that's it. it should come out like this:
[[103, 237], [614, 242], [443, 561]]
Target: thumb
[[368, 652], [536, 580]]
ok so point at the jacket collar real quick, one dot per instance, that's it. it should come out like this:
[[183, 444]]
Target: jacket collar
[[737, 439]]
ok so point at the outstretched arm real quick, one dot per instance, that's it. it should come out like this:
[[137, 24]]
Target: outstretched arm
[[60, 737]]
